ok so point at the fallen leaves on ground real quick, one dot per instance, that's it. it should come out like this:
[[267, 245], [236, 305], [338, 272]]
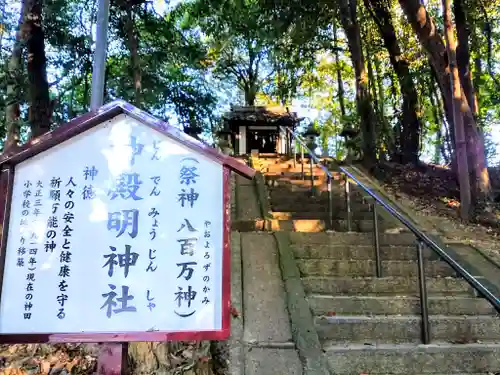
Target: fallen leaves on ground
[[432, 193], [435, 189], [234, 312], [47, 359], [187, 358]]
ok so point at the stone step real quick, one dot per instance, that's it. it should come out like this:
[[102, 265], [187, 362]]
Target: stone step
[[338, 197], [293, 174], [321, 215], [288, 167], [437, 358], [315, 226], [289, 205], [279, 163], [352, 238], [386, 286], [407, 329], [398, 305], [338, 202], [319, 192], [303, 183], [306, 189], [364, 268], [352, 252]]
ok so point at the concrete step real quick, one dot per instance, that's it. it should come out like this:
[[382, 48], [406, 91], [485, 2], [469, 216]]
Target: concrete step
[[294, 199], [386, 286], [352, 252], [297, 174], [307, 226], [319, 192], [315, 226], [307, 188], [351, 238], [288, 167], [294, 174], [338, 196], [322, 215], [437, 358], [407, 329], [363, 268], [398, 305], [290, 205], [299, 185], [303, 183]]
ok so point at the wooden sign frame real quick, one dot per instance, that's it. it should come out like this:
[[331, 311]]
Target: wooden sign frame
[[9, 160]]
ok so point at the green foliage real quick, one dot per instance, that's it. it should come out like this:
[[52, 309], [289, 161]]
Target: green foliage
[[197, 57]]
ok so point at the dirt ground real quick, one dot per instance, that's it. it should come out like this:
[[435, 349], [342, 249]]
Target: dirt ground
[[44, 359], [187, 358], [432, 193]]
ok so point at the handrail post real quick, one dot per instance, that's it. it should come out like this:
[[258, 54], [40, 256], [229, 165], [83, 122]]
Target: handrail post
[[330, 201], [311, 172], [423, 294], [294, 149], [348, 203], [376, 241], [429, 243], [302, 162]]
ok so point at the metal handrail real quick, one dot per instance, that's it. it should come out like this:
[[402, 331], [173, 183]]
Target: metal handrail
[[428, 242], [311, 154], [318, 163], [422, 238]]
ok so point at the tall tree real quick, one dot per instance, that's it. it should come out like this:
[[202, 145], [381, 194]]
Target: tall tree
[[40, 111], [14, 85], [238, 34], [349, 20], [409, 140], [432, 42], [132, 41], [463, 54], [340, 83], [461, 147]]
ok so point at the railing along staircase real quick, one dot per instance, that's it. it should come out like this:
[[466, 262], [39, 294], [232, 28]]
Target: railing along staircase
[[377, 203]]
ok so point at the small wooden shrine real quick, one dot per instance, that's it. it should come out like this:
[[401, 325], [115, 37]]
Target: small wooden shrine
[[257, 129]]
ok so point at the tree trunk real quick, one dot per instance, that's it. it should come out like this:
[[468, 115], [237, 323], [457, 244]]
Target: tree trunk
[[87, 84], [384, 130], [461, 146], [463, 55], [40, 110], [340, 83], [14, 84], [432, 42], [478, 72], [250, 94], [380, 87], [106, 82], [348, 16], [437, 115], [410, 135], [372, 86], [133, 47]]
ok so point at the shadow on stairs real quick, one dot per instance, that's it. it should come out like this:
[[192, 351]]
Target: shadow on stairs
[[365, 311]]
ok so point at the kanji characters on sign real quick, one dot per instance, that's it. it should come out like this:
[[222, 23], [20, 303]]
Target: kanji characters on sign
[[118, 230]]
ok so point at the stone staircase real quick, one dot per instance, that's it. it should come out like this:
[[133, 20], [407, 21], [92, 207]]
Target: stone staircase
[[373, 325]]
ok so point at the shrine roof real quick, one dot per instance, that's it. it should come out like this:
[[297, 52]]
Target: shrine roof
[[108, 111], [262, 114]]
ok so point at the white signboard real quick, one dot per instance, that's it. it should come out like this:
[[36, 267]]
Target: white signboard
[[118, 229]]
